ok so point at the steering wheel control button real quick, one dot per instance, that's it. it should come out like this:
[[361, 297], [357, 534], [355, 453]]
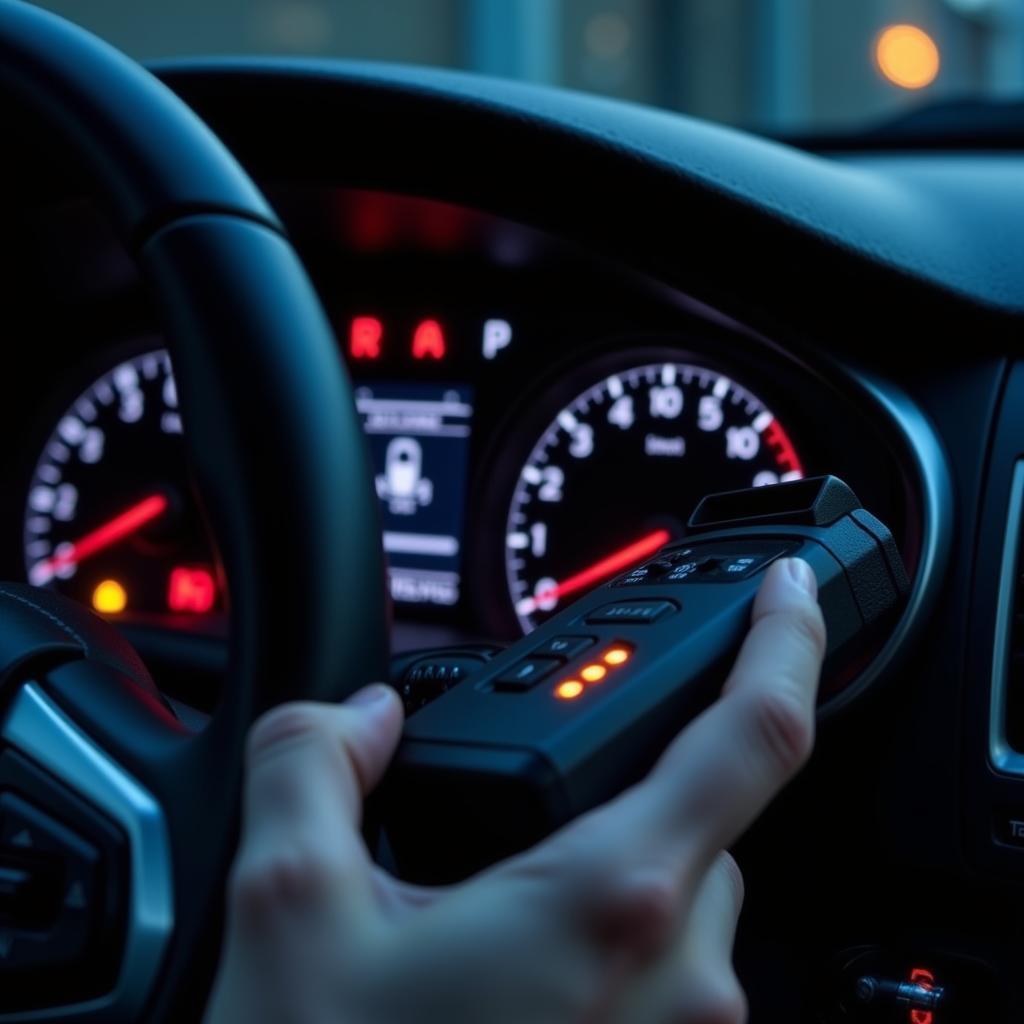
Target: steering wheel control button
[[526, 674], [29, 891], [638, 613], [36, 835], [564, 646], [61, 931]]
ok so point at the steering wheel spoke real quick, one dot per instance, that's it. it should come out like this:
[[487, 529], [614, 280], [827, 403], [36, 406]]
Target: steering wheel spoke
[[90, 849]]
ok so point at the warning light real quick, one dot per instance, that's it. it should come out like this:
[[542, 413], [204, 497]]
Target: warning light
[[428, 341], [191, 590], [109, 597], [569, 690], [925, 979], [364, 337], [907, 56], [616, 656], [594, 673]]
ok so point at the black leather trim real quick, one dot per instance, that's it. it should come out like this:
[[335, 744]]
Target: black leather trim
[[34, 621]]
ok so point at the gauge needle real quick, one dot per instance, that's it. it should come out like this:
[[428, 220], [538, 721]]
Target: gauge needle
[[608, 566], [112, 531]]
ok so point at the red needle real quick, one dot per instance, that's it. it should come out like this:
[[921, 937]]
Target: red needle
[[104, 536], [608, 566]]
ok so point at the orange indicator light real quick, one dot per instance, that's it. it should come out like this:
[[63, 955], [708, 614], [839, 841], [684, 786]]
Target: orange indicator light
[[569, 690], [109, 597], [616, 656], [594, 673]]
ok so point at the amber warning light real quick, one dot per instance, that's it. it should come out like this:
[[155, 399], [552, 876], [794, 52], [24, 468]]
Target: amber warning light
[[109, 597]]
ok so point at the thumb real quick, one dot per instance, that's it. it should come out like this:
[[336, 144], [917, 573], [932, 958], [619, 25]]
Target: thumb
[[308, 768]]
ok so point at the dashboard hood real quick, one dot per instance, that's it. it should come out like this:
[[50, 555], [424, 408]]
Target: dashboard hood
[[727, 211]]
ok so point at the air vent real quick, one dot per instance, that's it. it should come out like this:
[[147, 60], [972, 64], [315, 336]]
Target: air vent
[[1006, 731]]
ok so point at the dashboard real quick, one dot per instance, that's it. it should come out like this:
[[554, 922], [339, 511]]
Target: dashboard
[[537, 420], [566, 321]]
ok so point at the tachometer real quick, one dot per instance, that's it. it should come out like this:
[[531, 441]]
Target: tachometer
[[619, 469], [110, 517]]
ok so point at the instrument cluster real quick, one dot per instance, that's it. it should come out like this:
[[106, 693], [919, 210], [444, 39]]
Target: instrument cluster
[[537, 421]]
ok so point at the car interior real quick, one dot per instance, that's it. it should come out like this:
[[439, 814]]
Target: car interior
[[452, 351]]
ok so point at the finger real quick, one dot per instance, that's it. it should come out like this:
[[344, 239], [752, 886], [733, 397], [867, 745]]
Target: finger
[[724, 768], [692, 978], [706, 987], [308, 768], [714, 915], [718, 776]]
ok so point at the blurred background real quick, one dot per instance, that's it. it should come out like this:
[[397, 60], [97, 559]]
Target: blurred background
[[779, 66]]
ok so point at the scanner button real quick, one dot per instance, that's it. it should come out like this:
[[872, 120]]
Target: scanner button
[[526, 674], [638, 612], [743, 566], [641, 575], [564, 646], [683, 571]]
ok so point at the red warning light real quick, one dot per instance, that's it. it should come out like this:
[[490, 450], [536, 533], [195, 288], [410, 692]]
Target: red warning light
[[428, 341], [191, 590], [364, 337], [925, 979]]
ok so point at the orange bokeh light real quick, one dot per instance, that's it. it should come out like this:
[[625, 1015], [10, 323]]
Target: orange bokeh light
[[907, 56]]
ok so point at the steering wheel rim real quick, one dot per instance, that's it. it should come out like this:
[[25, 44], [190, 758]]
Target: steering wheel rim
[[276, 448]]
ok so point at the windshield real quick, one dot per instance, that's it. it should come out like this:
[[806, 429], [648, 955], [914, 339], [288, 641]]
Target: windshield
[[784, 66]]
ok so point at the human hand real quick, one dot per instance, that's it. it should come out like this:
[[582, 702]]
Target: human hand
[[626, 914]]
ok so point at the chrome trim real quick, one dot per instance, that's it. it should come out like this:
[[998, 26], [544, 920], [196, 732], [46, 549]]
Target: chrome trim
[[928, 462], [40, 730], [1003, 757]]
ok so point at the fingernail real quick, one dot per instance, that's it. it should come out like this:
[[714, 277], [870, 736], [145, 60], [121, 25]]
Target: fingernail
[[802, 575], [375, 693]]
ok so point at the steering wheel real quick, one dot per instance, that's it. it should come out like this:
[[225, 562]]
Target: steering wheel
[[129, 817]]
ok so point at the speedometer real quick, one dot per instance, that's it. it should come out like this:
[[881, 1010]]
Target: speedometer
[[617, 472], [110, 518]]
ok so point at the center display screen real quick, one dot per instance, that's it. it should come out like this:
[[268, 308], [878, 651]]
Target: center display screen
[[418, 435]]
